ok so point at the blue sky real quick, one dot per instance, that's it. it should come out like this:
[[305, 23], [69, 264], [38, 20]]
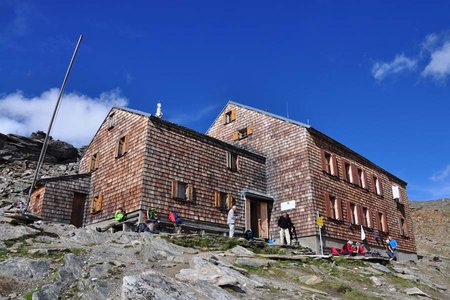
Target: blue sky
[[372, 76]]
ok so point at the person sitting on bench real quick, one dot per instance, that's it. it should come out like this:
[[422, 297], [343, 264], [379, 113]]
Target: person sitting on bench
[[119, 217]]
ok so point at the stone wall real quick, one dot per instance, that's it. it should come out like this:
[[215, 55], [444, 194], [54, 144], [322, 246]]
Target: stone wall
[[175, 153]]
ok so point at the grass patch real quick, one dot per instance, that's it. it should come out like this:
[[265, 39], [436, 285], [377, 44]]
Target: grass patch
[[3, 254], [342, 261], [29, 295]]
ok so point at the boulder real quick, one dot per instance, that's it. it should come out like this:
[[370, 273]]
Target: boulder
[[416, 291], [380, 267], [310, 279], [9, 232], [24, 268], [240, 251], [376, 280], [253, 262]]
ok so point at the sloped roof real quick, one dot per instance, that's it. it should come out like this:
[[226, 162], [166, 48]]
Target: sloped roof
[[313, 130]]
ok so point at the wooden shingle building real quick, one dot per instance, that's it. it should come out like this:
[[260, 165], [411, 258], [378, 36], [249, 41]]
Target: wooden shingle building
[[261, 162]]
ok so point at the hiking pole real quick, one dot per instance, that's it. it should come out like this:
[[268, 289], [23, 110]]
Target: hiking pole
[[55, 111]]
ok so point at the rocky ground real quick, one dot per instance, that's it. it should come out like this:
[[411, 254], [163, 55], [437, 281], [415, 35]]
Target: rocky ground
[[47, 261], [51, 261]]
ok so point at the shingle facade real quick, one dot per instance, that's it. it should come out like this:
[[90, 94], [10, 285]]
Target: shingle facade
[[261, 162]]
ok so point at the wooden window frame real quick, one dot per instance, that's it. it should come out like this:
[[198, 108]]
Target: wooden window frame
[[403, 227], [186, 195], [381, 222], [122, 146], [367, 217], [93, 162], [223, 201], [242, 133], [333, 207], [362, 177], [232, 161], [329, 162], [111, 121], [96, 204], [230, 116]]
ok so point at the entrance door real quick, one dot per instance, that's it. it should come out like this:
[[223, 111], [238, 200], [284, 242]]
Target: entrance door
[[76, 217], [256, 217]]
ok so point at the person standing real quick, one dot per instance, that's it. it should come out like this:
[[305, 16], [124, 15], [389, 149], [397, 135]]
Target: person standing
[[392, 248], [284, 222], [231, 220]]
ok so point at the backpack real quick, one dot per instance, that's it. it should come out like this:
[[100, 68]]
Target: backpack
[[248, 234], [173, 217]]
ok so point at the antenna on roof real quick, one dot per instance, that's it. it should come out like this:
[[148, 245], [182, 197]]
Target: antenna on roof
[[159, 112]]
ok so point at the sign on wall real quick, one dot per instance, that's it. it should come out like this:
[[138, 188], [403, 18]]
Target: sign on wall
[[288, 205]]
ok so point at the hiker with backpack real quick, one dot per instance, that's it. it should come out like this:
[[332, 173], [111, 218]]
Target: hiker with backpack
[[176, 219], [231, 220]]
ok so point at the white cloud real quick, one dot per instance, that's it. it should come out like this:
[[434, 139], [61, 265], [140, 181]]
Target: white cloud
[[78, 118], [439, 66], [441, 175], [401, 63]]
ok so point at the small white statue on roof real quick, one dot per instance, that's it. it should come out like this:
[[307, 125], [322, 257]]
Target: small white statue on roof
[[159, 112]]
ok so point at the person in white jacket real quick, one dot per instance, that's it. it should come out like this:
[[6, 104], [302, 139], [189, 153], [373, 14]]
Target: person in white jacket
[[231, 220]]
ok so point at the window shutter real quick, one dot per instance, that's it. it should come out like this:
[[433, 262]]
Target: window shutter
[[229, 201], [327, 205], [344, 173], [339, 208], [249, 130], [235, 136], [334, 170], [125, 145], [91, 206], [400, 226], [377, 220], [174, 189], [228, 161], [373, 188], [99, 202], [233, 114], [89, 164], [117, 147], [381, 186], [189, 192], [355, 176], [216, 199], [365, 183], [361, 217], [324, 161], [405, 228], [385, 222], [349, 212], [370, 224], [97, 159]]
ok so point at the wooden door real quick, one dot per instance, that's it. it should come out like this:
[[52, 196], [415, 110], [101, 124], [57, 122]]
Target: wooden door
[[76, 217], [263, 220]]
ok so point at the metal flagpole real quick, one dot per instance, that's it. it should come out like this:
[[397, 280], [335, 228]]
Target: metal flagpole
[[55, 111]]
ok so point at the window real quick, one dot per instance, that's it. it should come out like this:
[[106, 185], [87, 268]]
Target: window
[[362, 178], [333, 207], [367, 217], [348, 172], [403, 227], [232, 161], [93, 162], [242, 133], [182, 191], [353, 213], [223, 201], [36, 203], [230, 116], [122, 146], [96, 204], [396, 193], [111, 121], [376, 188], [381, 222], [329, 163]]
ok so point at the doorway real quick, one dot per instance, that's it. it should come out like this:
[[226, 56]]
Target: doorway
[[76, 217], [257, 217]]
